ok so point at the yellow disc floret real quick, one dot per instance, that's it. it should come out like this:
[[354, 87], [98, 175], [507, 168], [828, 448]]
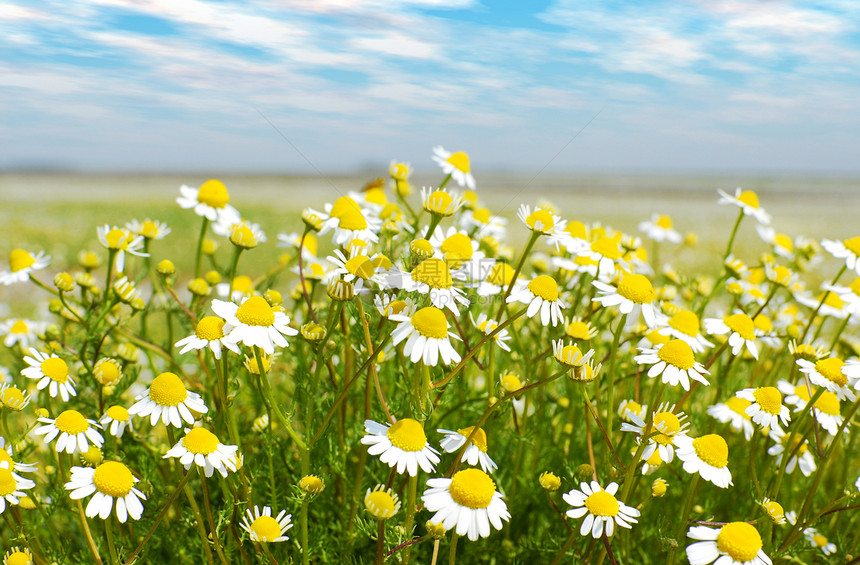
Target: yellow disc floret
[[742, 324], [712, 449], [210, 328], [749, 198], [831, 369], [167, 390], [828, 403], [433, 272], [607, 247], [256, 312], [200, 440], [472, 488], [601, 503], [479, 439], [852, 244], [460, 161], [685, 322], [769, 399], [545, 287], [360, 266], [407, 434], [213, 193], [55, 369], [637, 288], [8, 484], [668, 425], [266, 528], [430, 322], [381, 503], [113, 479], [348, 212], [738, 405], [540, 220], [72, 422], [501, 275], [677, 353], [740, 541], [20, 259], [118, 413]]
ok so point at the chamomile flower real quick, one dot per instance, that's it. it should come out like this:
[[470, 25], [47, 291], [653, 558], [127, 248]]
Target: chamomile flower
[[21, 264], [736, 543], [799, 454], [115, 420], [570, 355], [766, 407], [72, 431], [52, 373], [833, 374], [13, 397], [674, 362], [255, 323], [210, 201], [733, 411], [708, 456], [607, 253], [431, 277], [120, 240], [669, 428], [818, 541], [402, 446], [460, 252], [203, 448], [497, 280], [774, 510], [347, 220], [263, 528], [111, 481], [849, 295], [382, 503], [487, 325], [456, 165], [601, 509], [660, 228], [629, 408], [543, 295], [294, 240], [634, 293], [12, 487], [168, 399], [427, 336], [388, 305], [7, 460], [21, 331], [468, 503], [18, 556], [544, 222], [149, 229], [684, 325], [358, 269], [847, 249], [741, 330], [746, 200], [440, 202], [477, 450], [210, 332]]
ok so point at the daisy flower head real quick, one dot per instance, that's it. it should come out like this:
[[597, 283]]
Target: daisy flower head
[[733, 412], [706, 455], [781, 244], [431, 277], [358, 269], [497, 279], [210, 201], [399, 171], [402, 446], [263, 528], [669, 428], [542, 221], [18, 556], [440, 202], [468, 502], [456, 165], [570, 355], [799, 453], [674, 362], [736, 543], [543, 295], [634, 293], [13, 398], [111, 481], [115, 420], [629, 408], [382, 503], [107, 371], [149, 229], [21, 264], [477, 450], [460, 252], [427, 336], [601, 509], [774, 510], [833, 374], [203, 448], [685, 325], [347, 220], [243, 234], [660, 229], [388, 305], [766, 408], [312, 484], [741, 330], [12, 487], [120, 241], [168, 399], [846, 249], [549, 481], [51, 372], [818, 541], [21, 331], [72, 431], [210, 332], [485, 222], [487, 325], [747, 201], [255, 323], [607, 253]]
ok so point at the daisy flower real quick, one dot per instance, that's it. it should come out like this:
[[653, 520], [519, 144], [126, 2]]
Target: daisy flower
[[440, 203], [109, 481], [766, 407], [21, 264], [7, 461], [265, 529], [210, 332], [52, 373], [477, 450], [460, 252], [388, 305], [736, 543], [634, 293], [570, 355], [18, 556], [545, 222], [498, 280], [707, 455], [847, 249], [799, 454], [456, 165], [21, 331], [203, 448], [107, 371], [402, 445], [674, 362], [850, 295], [781, 244], [255, 323], [685, 325], [487, 325], [168, 399], [116, 419], [210, 201], [747, 201], [13, 397], [608, 254], [629, 408], [741, 330], [431, 277], [12, 487], [670, 428], [75, 432], [482, 222], [601, 509], [347, 220], [427, 336], [121, 240], [733, 411], [818, 541], [467, 502], [382, 503], [660, 229], [774, 510], [149, 229], [542, 294], [833, 374], [358, 269]]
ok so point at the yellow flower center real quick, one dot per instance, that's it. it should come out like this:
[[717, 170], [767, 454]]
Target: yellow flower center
[[668, 425], [852, 245], [266, 528], [213, 193], [712, 449], [72, 422], [763, 323], [570, 354], [819, 540], [794, 444], [12, 397], [256, 312], [501, 275], [549, 481], [440, 202], [433, 272], [460, 161], [360, 266], [685, 322], [20, 259], [749, 198], [545, 287], [115, 238], [655, 458], [55, 369], [742, 324], [540, 220], [117, 413], [348, 212], [200, 440], [782, 240], [458, 246], [148, 229], [601, 503], [774, 509], [472, 488], [637, 288], [738, 405], [664, 222], [479, 439], [113, 478], [430, 322], [740, 541], [482, 215], [831, 369], [677, 353], [107, 372], [855, 286], [632, 406], [8, 485], [608, 247], [407, 434], [832, 299], [398, 171], [380, 504], [210, 328], [19, 558], [511, 382], [828, 403], [578, 330], [243, 236], [19, 327], [311, 483], [802, 393], [167, 390], [769, 399]]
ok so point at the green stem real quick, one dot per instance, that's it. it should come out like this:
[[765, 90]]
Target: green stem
[[114, 559], [199, 256], [380, 545], [452, 553], [732, 236], [682, 524], [209, 517], [267, 391], [610, 385], [411, 494]]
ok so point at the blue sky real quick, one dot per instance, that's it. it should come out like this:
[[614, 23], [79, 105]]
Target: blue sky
[[188, 85]]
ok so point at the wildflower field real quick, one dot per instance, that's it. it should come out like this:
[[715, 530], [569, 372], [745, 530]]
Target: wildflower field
[[416, 376]]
